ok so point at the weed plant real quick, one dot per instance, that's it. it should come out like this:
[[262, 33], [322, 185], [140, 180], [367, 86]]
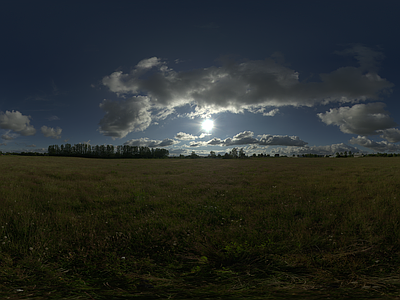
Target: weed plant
[[77, 228]]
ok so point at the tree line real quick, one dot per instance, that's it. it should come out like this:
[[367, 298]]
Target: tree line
[[107, 151]]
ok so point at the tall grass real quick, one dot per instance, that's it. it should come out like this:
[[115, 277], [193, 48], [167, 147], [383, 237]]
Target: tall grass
[[93, 229]]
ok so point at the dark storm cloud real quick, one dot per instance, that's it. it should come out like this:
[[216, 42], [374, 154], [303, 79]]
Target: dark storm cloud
[[233, 87]]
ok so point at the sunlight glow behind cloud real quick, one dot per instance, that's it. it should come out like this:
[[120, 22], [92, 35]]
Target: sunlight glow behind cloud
[[236, 87]]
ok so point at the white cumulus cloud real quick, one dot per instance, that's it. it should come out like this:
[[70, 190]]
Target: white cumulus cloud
[[271, 113], [54, 133], [362, 119], [149, 63], [185, 136], [246, 138], [17, 122]]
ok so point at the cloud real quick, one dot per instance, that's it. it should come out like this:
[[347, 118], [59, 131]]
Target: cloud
[[243, 138], [234, 87], [283, 140], [145, 142], [321, 150], [53, 118], [9, 136], [271, 113], [123, 117], [383, 146], [203, 135], [367, 58], [250, 83], [246, 138], [197, 144], [215, 142], [6, 137], [128, 83], [15, 121], [185, 136], [289, 150], [51, 132], [391, 135], [362, 119], [149, 63]]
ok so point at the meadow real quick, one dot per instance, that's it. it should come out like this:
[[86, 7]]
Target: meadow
[[258, 228]]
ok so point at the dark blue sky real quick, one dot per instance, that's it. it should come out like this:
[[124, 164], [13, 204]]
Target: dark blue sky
[[287, 77]]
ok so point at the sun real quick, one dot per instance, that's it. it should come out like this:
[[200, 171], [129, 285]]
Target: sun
[[207, 125]]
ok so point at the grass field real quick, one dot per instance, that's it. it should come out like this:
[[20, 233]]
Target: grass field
[[76, 228]]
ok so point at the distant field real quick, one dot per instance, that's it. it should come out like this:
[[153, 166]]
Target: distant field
[[77, 228]]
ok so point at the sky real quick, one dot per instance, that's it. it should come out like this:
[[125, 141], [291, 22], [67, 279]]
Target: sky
[[287, 77]]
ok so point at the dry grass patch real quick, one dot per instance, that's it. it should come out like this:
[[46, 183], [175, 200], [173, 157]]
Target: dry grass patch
[[91, 228]]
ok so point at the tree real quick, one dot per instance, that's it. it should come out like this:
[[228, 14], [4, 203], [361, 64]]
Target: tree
[[68, 149], [51, 150], [193, 155], [212, 154], [107, 151], [241, 153], [110, 151], [161, 153], [234, 153]]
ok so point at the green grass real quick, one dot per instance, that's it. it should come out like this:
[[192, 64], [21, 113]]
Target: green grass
[[77, 228]]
